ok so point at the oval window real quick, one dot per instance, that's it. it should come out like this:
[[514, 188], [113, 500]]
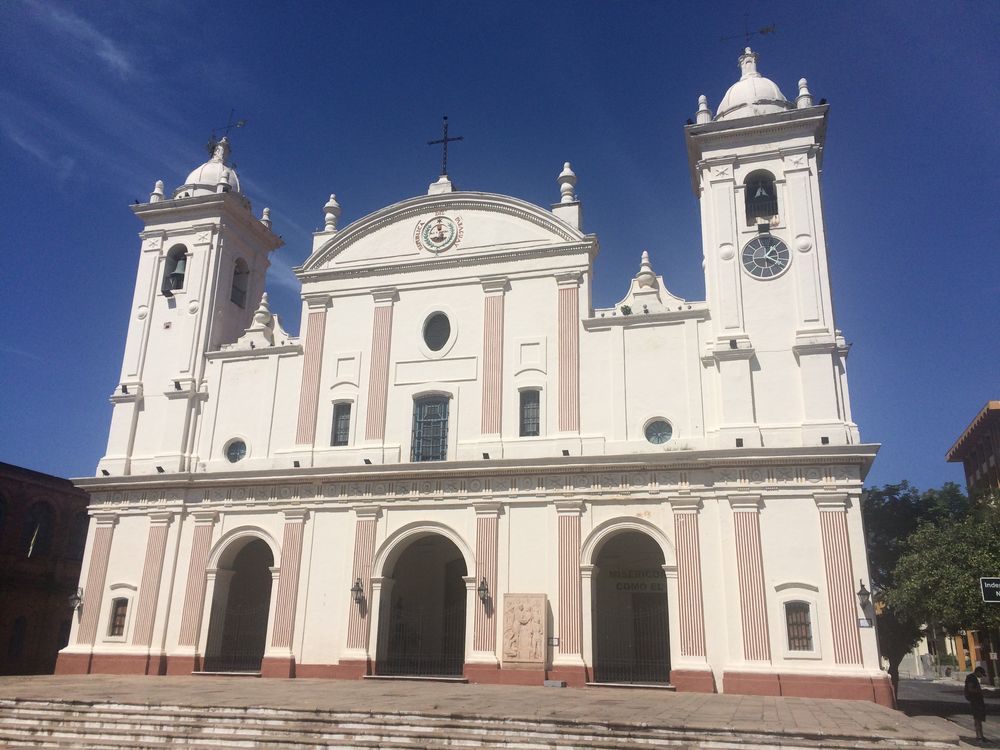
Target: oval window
[[236, 451], [659, 431], [437, 331]]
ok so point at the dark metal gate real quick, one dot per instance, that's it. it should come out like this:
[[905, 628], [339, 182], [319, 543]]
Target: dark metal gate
[[633, 644], [423, 644], [244, 636]]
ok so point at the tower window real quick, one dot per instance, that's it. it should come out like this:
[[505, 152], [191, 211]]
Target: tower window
[[529, 413], [761, 197], [241, 280], [119, 608], [430, 429], [799, 626], [341, 424], [174, 270]]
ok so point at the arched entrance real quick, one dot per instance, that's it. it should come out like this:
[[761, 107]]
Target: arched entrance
[[631, 638], [424, 607], [237, 632]]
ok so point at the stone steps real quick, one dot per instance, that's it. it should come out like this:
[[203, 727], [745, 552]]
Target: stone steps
[[111, 726]]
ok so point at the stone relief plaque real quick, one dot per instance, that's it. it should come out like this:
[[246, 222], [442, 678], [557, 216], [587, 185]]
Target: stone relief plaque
[[524, 631]]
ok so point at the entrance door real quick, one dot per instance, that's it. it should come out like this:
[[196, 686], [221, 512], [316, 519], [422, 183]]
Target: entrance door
[[631, 636], [425, 633], [237, 634]]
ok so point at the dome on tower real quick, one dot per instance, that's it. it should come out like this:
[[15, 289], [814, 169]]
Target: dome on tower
[[752, 94], [207, 179]]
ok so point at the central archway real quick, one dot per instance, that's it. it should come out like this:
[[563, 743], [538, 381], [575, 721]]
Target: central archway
[[424, 634], [631, 633], [237, 632]]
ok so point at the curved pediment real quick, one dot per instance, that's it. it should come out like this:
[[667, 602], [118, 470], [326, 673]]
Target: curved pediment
[[451, 225]]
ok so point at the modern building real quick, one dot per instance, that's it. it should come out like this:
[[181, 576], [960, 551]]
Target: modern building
[[460, 468], [978, 448], [43, 531]]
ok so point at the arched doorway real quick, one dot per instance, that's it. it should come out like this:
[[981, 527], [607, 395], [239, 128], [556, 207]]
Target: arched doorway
[[631, 638], [237, 632], [424, 634]]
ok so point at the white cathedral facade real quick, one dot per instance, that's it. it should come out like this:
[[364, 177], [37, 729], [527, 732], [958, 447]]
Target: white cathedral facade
[[461, 469]]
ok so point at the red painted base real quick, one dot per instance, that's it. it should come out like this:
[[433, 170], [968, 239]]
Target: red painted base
[[73, 664], [572, 676], [277, 667], [346, 670], [692, 681], [183, 665], [876, 690], [488, 674], [111, 664]]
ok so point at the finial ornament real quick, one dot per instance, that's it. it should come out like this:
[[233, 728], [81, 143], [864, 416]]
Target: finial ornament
[[332, 211], [646, 277], [221, 151], [748, 64], [223, 186], [263, 316], [265, 219], [157, 195], [704, 113], [804, 99], [567, 183]]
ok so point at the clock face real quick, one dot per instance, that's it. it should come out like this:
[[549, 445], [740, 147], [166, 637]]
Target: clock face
[[765, 257]]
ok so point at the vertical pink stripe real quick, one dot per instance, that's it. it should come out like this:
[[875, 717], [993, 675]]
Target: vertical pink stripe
[[485, 632], [149, 588], [570, 622], [692, 614], [364, 553], [312, 363], [194, 592], [94, 587], [288, 583], [492, 364], [840, 586], [569, 359], [753, 606], [378, 380]]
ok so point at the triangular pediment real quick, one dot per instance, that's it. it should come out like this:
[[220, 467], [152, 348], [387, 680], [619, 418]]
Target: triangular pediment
[[432, 227]]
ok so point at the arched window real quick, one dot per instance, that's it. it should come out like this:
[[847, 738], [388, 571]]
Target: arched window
[[529, 419], [36, 537], [761, 197], [798, 625], [430, 429], [241, 280], [174, 269]]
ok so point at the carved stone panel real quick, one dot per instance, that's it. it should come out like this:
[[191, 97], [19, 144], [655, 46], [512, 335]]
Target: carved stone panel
[[525, 635]]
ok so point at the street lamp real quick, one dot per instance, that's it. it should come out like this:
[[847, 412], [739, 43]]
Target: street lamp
[[76, 599], [864, 596], [483, 590], [357, 593]]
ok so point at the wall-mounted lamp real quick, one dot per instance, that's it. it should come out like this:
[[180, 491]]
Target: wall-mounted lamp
[[864, 595], [483, 590], [357, 593], [76, 599]]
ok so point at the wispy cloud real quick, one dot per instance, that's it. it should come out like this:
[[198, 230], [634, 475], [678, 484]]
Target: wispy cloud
[[280, 274], [61, 164], [61, 20]]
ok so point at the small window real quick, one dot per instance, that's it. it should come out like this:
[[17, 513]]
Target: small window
[[761, 197], [799, 626], [241, 280], [174, 270], [529, 413], [341, 424], [437, 331], [36, 538], [119, 608], [236, 451], [659, 431], [430, 429]]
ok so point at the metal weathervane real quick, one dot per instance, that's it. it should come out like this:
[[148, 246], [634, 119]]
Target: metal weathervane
[[214, 141], [747, 34], [444, 141]]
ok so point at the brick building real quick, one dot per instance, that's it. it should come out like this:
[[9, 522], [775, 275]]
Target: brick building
[[978, 448]]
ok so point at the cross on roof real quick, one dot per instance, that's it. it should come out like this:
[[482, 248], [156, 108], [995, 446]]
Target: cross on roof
[[747, 33], [444, 141]]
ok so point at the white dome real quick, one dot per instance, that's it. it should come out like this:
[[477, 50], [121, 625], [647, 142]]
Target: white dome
[[752, 94], [204, 180]]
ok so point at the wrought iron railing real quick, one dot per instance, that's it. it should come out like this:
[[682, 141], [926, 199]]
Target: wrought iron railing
[[422, 644], [632, 646]]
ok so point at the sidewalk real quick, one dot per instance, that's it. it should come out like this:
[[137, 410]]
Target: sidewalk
[[758, 719]]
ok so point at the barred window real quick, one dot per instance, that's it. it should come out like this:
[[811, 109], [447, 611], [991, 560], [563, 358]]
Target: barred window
[[430, 429], [341, 424], [118, 609], [798, 625], [529, 414]]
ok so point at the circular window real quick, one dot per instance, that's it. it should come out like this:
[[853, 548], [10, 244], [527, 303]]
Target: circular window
[[437, 331], [659, 431], [236, 451]]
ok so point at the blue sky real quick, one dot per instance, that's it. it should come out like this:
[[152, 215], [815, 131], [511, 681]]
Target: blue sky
[[100, 99]]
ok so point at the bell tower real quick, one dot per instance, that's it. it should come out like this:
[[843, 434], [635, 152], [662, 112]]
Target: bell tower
[[779, 359], [202, 264]]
